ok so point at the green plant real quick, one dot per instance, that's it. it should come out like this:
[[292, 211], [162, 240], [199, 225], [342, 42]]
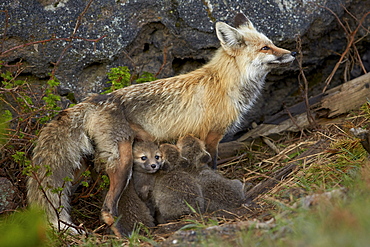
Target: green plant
[[120, 77], [26, 107], [136, 238], [198, 224]]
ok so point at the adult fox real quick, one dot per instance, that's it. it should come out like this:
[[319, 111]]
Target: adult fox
[[205, 103]]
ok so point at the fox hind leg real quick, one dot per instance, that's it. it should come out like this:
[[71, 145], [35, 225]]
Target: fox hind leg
[[113, 137], [119, 176]]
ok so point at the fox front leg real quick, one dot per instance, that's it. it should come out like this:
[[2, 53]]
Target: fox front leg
[[119, 176], [211, 141]]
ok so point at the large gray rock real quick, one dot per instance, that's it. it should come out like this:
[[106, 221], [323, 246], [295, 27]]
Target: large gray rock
[[9, 195], [139, 33]]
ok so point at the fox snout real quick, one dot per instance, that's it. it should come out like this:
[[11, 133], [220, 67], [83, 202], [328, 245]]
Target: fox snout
[[154, 167], [285, 59], [280, 59]]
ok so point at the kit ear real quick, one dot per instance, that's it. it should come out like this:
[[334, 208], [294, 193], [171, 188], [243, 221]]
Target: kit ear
[[241, 21], [206, 158]]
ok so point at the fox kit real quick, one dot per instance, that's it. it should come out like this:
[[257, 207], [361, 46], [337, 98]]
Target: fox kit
[[218, 192], [206, 103], [135, 205], [132, 210], [147, 160], [194, 151], [175, 189]]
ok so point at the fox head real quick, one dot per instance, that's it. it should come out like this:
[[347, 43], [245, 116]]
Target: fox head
[[250, 47], [194, 150], [147, 157]]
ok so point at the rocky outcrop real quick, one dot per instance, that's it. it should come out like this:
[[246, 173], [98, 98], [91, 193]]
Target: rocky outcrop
[[169, 37], [9, 195]]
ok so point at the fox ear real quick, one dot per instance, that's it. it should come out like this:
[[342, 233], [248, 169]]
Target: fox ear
[[241, 20], [230, 38]]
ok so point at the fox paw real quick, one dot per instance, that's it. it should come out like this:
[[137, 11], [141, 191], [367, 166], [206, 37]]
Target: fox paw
[[110, 221]]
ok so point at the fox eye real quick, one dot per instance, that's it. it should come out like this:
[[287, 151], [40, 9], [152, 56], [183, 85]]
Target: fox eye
[[144, 158], [265, 48], [157, 157]]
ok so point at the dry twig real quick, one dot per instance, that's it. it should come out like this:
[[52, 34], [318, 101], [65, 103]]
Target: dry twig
[[351, 43]]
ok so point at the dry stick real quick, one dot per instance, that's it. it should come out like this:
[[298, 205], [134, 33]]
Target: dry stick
[[52, 74], [270, 144], [294, 121], [358, 40], [351, 40], [310, 116], [354, 17], [48, 40], [336, 17], [79, 18], [78, 24], [359, 60], [129, 58], [357, 56], [10, 104], [89, 193], [38, 180], [134, 73], [222, 161]]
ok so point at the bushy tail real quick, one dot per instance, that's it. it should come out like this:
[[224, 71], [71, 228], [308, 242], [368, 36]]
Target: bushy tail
[[61, 145]]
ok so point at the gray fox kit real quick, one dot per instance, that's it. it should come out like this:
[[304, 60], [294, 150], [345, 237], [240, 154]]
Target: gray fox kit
[[132, 211], [206, 103], [135, 204], [218, 192], [175, 189], [147, 161]]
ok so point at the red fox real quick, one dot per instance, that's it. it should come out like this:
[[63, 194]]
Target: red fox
[[206, 103]]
